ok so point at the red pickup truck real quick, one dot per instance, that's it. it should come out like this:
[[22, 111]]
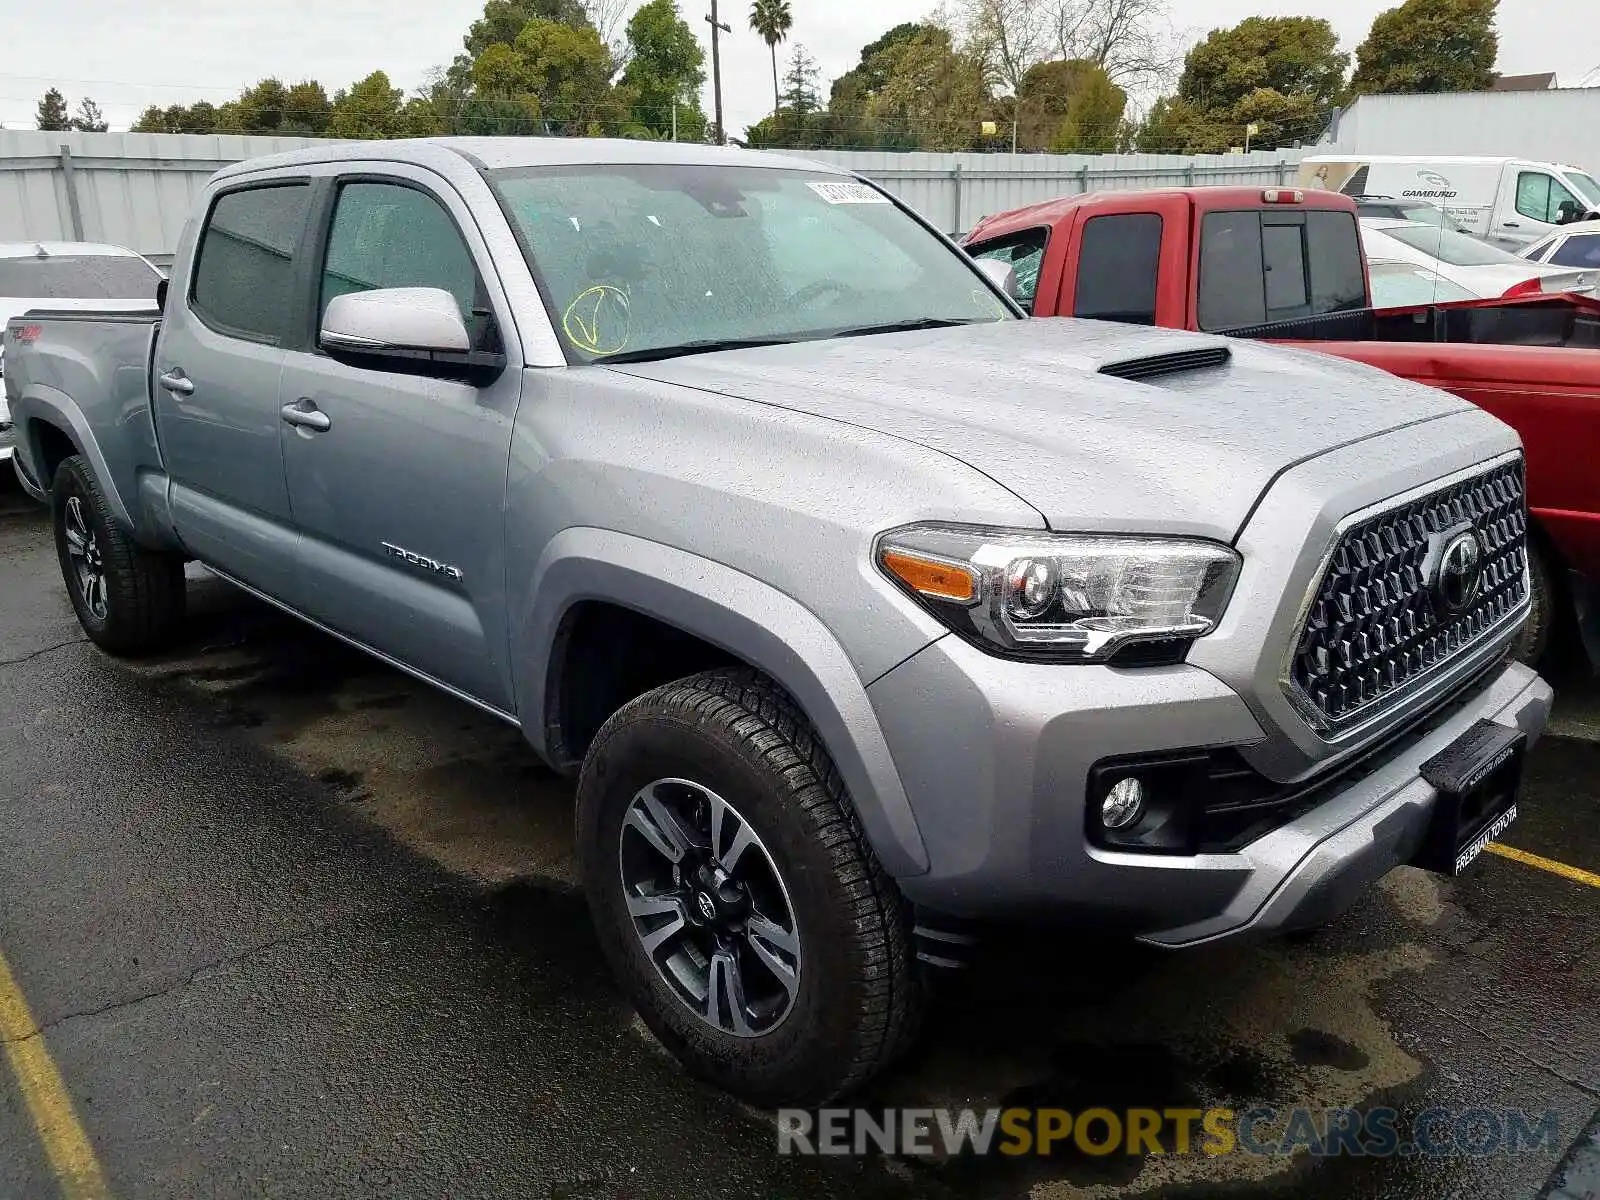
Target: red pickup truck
[[1287, 265]]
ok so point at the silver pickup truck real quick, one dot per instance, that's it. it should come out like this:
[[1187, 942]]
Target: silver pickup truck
[[868, 613]]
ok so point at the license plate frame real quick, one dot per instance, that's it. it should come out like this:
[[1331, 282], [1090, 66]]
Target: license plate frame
[[1477, 779]]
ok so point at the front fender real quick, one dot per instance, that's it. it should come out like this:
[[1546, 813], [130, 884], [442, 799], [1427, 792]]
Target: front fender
[[750, 620], [42, 404]]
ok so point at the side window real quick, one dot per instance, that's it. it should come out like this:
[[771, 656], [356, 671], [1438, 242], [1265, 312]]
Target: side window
[[1540, 197], [1232, 282], [1118, 264], [1025, 254], [244, 268], [1537, 251], [1579, 250], [387, 235]]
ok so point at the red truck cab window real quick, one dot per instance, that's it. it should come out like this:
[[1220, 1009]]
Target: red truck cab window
[[1118, 264]]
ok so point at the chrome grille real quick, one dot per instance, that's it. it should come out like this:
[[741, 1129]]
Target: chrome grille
[[1379, 624]]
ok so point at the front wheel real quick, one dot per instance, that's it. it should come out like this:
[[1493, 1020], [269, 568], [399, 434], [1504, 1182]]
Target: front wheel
[[128, 598], [1535, 636], [734, 894]]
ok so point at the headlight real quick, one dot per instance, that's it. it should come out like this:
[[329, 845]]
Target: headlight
[[1061, 597]]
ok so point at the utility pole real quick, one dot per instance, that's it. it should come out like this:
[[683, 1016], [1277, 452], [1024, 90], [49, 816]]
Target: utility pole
[[716, 68]]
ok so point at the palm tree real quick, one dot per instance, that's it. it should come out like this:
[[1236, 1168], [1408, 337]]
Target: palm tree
[[773, 21]]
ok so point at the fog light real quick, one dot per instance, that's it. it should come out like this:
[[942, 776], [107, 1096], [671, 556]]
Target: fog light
[[1123, 804]]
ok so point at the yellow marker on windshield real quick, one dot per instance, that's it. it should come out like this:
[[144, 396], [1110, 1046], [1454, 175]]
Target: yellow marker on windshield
[[599, 320]]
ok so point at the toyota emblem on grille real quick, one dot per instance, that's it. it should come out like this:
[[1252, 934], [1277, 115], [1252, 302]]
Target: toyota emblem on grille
[[1460, 573]]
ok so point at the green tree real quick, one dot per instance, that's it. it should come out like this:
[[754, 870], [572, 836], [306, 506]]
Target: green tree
[[1295, 56], [1093, 122], [772, 20], [367, 109], [52, 111], [306, 109], [567, 71], [1429, 46], [503, 20], [666, 69], [932, 94]]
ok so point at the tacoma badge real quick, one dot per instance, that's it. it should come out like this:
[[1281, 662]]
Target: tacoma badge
[[427, 564]]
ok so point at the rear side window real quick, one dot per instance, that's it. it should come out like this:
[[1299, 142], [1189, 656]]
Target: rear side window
[[1258, 268], [1024, 253], [244, 273], [1118, 265], [1579, 250]]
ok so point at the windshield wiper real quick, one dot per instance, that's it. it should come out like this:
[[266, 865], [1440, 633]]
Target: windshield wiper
[[907, 326], [683, 349]]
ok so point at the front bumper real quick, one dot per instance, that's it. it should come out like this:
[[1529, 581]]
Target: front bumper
[[996, 756]]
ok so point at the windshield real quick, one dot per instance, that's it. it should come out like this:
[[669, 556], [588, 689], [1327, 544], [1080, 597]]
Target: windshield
[[639, 258], [1585, 186], [1427, 214], [1401, 285], [1457, 249], [79, 277]]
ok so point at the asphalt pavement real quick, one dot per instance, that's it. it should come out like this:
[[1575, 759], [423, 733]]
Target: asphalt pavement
[[290, 924]]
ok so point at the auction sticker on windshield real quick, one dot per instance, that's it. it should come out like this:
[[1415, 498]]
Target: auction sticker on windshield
[[848, 193]]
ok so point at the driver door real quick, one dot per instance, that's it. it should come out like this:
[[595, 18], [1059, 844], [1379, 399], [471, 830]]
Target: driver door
[[399, 498]]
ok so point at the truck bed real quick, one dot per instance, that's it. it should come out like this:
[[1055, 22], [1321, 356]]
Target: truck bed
[[102, 361]]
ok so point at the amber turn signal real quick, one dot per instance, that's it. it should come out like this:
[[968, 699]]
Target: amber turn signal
[[929, 577]]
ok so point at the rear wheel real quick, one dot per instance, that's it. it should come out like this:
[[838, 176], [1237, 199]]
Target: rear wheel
[[735, 896], [128, 598]]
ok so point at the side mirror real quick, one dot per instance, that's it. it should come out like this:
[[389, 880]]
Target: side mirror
[[161, 292], [1002, 275], [395, 319]]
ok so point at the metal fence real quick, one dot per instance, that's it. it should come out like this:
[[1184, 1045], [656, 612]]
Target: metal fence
[[138, 189], [956, 191]]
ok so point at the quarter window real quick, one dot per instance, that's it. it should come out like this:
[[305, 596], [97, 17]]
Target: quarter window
[[386, 235], [1118, 266], [244, 272]]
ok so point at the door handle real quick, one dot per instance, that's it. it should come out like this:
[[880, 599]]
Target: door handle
[[305, 415], [1511, 225], [176, 382]]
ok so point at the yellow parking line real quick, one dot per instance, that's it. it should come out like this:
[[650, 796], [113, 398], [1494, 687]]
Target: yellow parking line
[[1576, 874], [72, 1160]]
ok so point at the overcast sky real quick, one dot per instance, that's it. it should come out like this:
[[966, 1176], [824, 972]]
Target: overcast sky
[[180, 51]]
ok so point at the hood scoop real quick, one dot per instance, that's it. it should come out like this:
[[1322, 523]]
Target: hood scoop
[[1153, 366]]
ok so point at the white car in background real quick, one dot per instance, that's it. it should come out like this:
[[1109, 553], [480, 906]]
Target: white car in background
[[1577, 248], [1482, 271], [68, 275]]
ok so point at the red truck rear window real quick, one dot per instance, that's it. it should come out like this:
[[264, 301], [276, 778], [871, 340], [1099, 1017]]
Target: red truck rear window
[[1257, 267]]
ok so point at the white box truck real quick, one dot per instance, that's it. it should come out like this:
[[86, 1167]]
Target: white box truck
[[1510, 202]]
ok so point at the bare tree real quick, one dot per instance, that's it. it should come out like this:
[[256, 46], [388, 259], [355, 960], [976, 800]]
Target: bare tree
[[610, 18], [1009, 36], [1132, 40]]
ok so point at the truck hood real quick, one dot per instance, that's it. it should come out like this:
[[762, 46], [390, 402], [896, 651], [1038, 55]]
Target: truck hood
[[1029, 404]]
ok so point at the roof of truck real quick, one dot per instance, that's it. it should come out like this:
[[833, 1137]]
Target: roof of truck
[[500, 152], [1049, 212]]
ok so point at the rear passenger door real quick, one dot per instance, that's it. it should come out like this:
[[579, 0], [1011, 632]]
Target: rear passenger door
[[217, 368], [399, 500]]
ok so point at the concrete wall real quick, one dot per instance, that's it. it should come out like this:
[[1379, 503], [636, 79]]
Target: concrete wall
[[1561, 125]]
